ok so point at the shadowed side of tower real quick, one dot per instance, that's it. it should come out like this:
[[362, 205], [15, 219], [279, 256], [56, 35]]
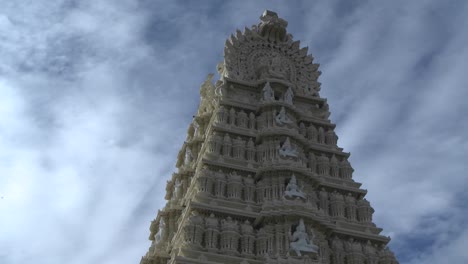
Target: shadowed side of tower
[[260, 177]]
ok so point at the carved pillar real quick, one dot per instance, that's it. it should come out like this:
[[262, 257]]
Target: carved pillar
[[238, 148], [242, 119], [229, 236], [234, 186], [312, 133], [211, 233], [220, 184], [324, 203], [334, 169], [302, 129], [323, 166], [338, 256], [248, 239], [365, 211], [371, 253], [350, 207], [346, 171], [353, 252], [261, 242], [331, 138], [249, 189], [321, 136], [261, 121], [312, 162], [232, 117], [252, 120], [336, 205], [222, 115], [227, 145], [250, 151], [193, 231], [205, 181]]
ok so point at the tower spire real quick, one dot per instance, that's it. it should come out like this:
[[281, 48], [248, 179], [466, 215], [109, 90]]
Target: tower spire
[[260, 177]]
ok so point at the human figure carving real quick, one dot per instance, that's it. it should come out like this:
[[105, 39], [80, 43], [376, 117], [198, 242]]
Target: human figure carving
[[334, 168], [302, 129], [159, 235], [292, 190], [232, 116], [177, 186], [227, 144], [312, 133], [288, 96], [323, 199], [188, 156], [281, 118], [287, 150], [268, 93], [250, 151], [300, 241]]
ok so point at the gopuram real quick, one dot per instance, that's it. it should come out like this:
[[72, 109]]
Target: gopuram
[[260, 176]]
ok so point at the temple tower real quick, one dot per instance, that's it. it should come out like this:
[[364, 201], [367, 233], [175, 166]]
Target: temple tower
[[260, 177]]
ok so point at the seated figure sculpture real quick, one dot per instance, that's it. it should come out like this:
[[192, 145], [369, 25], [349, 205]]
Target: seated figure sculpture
[[286, 150], [281, 118], [292, 190], [300, 241]]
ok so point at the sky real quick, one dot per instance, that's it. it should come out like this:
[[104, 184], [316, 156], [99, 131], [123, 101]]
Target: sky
[[96, 97]]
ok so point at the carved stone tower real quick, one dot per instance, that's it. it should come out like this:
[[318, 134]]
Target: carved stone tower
[[260, 177]]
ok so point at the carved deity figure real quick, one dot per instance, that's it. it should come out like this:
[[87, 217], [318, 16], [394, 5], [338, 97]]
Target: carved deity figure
[[300, 241], [292, 190], [188, 156], [232, 116], [287, 150], [268, 93], [338, 256], [288, 96], [177, 186], [159, 235], [281, 118], [222, 115], [196, 129]]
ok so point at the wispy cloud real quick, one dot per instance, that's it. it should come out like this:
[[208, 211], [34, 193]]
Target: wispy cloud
[[96, 96]]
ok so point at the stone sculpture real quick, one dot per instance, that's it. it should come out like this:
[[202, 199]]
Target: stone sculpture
[[287, 150], [268, 93], [292, 190], [300, 241], [281, 118]]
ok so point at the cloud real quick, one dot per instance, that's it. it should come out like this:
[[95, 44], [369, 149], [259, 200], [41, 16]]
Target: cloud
[[96, 97]]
